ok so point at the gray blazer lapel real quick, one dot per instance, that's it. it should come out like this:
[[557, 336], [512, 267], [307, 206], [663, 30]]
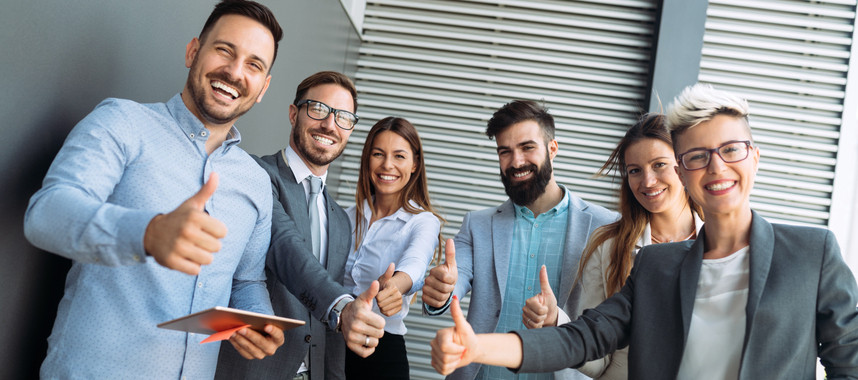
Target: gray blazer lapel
[[577, 233], [761, 252], [294, 199], [503, 225], [689, 275]]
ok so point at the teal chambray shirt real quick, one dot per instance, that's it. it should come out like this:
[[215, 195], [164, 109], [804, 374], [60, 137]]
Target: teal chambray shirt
[[536, 241]]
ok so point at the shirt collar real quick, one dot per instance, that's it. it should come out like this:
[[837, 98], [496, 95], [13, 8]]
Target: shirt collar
[[192, 126], [563, 205], [400, 214], [299, 168]]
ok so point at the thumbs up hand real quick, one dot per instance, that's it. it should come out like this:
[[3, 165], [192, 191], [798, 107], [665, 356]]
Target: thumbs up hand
[[541, 309], [456, 346], [185, 238], [361, 327], [441, 281], [389, 298]]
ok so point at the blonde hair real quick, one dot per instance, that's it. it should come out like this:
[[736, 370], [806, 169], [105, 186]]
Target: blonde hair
[[701, 102]]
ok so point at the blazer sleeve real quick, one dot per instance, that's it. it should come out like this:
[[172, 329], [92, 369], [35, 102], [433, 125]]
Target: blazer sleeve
[[596, 333], [836, 314], [294, 264]]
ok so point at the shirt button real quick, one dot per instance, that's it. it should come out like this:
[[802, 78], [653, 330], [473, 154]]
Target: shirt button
[[308, 338], [192, 135], [536, 225], [137, 258], [203, 133], [529, 288], [200, 285], [532, 255]]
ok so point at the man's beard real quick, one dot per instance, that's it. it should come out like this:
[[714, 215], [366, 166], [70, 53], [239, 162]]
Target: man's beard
[[308, 151], [198, 95], [524, 193]]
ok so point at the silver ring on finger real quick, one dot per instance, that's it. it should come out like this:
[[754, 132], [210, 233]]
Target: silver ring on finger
[[366, 342]]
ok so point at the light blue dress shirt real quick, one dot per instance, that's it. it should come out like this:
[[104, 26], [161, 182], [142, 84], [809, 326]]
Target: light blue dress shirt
[[405, 239], [119, 167], [536, 241]]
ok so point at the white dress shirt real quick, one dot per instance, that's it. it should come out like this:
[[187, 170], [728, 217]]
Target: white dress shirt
[[302, 172], [405, 239]]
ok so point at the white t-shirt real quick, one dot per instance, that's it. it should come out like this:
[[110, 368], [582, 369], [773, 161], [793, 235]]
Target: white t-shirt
[[714, 346]]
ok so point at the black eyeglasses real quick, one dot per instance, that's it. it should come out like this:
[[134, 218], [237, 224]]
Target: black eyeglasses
[[317, 110], [731, 151]]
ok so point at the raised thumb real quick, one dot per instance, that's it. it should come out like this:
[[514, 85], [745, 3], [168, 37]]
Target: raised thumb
[[450, 254], [199, 199], [382, 281], [456, 313], [544, 285], [368, 295]]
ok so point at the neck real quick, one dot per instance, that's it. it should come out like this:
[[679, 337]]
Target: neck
[[384, 205], [217, 132], [552, 196], [676, 224], [317, 170], [727, 233]]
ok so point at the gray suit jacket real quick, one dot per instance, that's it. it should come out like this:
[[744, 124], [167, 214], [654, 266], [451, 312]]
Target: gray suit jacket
[[801, 304], [300, 287], [482, 257]]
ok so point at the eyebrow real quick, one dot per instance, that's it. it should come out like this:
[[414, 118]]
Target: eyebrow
[[395, 151], [252, 56], [523, 143]]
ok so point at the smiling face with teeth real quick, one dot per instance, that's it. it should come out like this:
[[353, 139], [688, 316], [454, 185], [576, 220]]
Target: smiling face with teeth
[[720, 188], [651, 176], [391, 163], [320, 142], [525, 160], [228, 70]]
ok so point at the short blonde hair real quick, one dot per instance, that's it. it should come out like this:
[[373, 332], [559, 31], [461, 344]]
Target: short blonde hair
[[699, 103]]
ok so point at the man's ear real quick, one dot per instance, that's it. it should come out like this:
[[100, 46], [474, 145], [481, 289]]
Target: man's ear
[[553, 148], [191, 51], [293, 115], [264, 88]]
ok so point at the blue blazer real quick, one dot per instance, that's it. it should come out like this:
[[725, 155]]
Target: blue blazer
[[482, 257], [299, 286], [801, 305]]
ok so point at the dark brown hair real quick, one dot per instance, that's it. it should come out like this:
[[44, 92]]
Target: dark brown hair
[[326, 77], [416, 189], [517, 111], [251, 9]]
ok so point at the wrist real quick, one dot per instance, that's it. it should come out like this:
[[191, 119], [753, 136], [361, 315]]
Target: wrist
[[334, 316]]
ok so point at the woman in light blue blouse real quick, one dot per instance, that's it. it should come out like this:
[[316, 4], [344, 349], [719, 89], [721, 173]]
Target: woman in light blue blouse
[[396, 233]]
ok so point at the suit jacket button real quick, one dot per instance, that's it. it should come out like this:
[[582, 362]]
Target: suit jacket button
[[308, 338]]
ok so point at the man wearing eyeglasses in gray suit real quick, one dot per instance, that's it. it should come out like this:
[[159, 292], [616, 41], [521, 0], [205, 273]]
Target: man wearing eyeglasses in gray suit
[[310, 238]]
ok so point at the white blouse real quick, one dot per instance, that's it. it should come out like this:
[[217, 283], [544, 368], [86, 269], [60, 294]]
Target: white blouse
[[713, 349], [405, 239]]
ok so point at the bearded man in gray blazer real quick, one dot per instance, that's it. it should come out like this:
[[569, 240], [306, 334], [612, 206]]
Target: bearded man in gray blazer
[[304, 267], [499, 251]]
